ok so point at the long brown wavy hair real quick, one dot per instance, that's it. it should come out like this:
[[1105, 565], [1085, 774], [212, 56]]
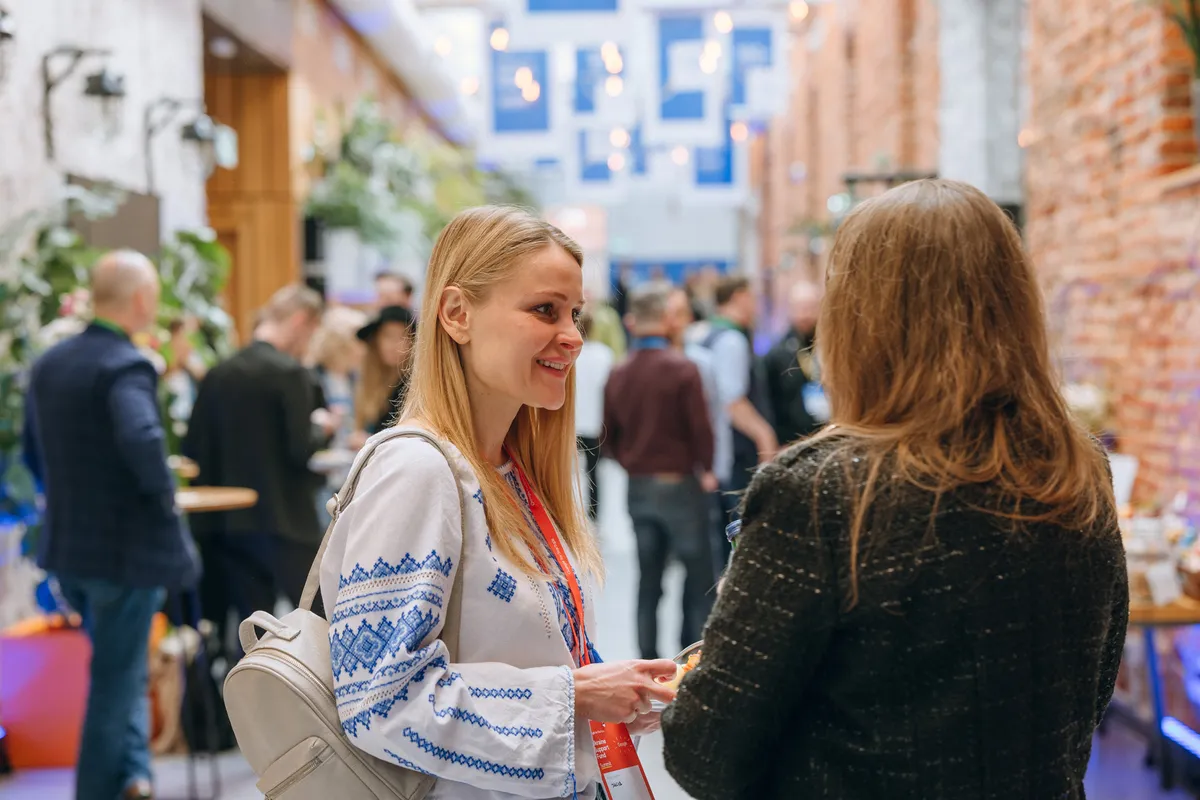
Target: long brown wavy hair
[[934, 356]]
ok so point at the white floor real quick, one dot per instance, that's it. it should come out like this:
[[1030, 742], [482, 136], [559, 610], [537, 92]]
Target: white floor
[[616, 640]]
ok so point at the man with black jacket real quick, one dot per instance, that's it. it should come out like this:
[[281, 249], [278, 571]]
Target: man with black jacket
[[791, 365], [257, 422]]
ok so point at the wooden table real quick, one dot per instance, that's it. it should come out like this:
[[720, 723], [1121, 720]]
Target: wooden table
[[1184, 611], [198, 499], [184, 467]]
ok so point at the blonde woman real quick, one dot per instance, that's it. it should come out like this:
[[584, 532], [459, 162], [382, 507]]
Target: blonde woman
[[493, 380], [929, 598], [336, 355]]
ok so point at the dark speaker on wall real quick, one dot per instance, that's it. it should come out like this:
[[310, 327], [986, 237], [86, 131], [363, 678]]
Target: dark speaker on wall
[[314, 241]]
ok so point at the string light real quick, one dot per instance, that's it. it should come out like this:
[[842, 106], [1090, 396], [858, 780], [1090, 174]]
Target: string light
[[798, 9], [619, 137], [739, 132], [523, 77], [615, 64], [500, 39], [531, 92], [680, 155], [614, 85], [469, 86], [723, 22], [443, 46], [616, 162]]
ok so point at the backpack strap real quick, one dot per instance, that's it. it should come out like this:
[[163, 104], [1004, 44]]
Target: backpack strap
[[337, 504]]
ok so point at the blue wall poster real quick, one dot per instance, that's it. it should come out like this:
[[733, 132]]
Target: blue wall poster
[[751, 50], [590, 75], [714, 165], [570, 6], [520, 92], [680, 44]]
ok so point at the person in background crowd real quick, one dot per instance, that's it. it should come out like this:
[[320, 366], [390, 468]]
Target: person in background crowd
[[112, 535], [929, 598], [592, 368], [258, 420], [749, 439], [793, 382], [336, 355], [656, 426], [393, 289], [607, 326], [384, 379], [493, 384]]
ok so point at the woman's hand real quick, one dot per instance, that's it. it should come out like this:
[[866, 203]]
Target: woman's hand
[[621, 691]]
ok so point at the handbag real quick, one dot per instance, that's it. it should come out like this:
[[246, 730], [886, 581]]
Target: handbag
[[280, 695]]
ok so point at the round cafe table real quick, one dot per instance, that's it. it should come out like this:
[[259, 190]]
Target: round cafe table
[[198, 499]]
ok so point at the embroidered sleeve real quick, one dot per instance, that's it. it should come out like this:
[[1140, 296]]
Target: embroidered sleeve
[[493, 726]]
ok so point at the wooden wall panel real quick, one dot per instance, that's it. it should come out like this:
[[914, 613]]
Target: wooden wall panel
[[252, 208]]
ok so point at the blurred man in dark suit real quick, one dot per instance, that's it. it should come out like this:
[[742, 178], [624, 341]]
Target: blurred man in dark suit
[[257, 421], [112, 535]]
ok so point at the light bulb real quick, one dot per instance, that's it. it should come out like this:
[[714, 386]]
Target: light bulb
[[531, 92], [798, 9], [614, 65], [609, 50], [708, 65], [739, 132], [443, 46], [680, 155], [619, 137], [712, 49], [500, 39], [616, 162], [469, 86], [614, 86], [723, 22], [523, 77]]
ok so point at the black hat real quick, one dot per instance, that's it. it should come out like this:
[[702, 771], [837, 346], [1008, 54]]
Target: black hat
[[387, 314]]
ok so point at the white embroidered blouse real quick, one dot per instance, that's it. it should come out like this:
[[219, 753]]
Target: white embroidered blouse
[[499, 721]]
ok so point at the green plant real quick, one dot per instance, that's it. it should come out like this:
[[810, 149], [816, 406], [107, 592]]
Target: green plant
[[194, 269], [42, 262], [1186, 14]]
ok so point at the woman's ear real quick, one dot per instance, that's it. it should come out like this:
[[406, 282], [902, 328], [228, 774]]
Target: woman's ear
[[454, 314]]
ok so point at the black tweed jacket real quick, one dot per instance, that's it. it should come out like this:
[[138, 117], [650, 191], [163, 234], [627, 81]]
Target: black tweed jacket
[[976, 664]]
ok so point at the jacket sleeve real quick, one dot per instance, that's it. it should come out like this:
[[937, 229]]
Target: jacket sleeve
[[611, 433], [1114, 643], [768, 631], [30, 453], [493, 726], [138, 430]]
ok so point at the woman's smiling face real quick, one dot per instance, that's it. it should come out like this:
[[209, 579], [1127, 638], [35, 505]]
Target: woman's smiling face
[[524, 337]]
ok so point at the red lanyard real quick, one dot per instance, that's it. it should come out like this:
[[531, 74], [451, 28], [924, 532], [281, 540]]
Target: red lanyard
[[550, 534], [620, 768]]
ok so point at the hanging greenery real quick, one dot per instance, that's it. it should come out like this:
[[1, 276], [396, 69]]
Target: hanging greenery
[[1186, 14]]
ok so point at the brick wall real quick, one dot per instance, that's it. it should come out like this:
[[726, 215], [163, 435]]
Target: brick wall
[[864, 97], [1114, 220], [157, 46]]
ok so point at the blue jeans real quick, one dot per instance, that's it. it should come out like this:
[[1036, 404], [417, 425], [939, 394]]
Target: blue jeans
[[114, 750]]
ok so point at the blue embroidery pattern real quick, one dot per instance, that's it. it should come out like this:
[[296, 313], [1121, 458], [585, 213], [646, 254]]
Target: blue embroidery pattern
[[501, 694], [503, 586], [404, 762], [408, 597], [462, 715], [448, 680], [478, 496], [471, 761], [351, 649], [384, 707], [407, 566]]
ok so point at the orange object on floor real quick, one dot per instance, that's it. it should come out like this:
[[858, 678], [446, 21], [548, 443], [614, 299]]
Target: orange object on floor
[[43, 694]]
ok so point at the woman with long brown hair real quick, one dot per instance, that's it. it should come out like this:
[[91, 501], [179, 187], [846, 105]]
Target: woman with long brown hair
[[929, 597]]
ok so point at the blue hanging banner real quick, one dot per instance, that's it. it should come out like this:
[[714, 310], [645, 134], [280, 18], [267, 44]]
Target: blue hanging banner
[[637, 151], [569, 6], [680, 42], [590, 74], [752, 49], [520, 92], [593, 159], [714, 165]]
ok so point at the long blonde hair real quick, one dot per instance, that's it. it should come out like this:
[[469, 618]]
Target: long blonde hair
[[480, 248], [934, 355]]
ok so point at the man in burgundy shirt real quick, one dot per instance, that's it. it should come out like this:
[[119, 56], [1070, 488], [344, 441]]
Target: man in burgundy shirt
[[656, 426]]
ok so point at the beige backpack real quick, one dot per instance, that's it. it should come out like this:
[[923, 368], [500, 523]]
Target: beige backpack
[[280, 695]]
